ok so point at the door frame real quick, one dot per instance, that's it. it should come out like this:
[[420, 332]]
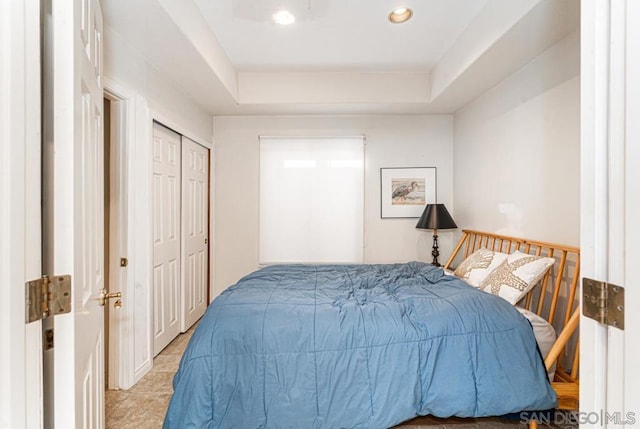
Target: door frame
[[121, 322], [131, 326], [610, 103], [21, 398]]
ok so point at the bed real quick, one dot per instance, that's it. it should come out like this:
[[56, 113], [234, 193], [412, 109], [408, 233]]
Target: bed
[[358, 346]]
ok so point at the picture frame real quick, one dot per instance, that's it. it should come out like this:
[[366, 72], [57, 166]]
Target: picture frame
[[404, 191]]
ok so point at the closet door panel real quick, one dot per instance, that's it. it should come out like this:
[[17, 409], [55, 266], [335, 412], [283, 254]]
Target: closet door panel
[[167, 163], [195, 231]]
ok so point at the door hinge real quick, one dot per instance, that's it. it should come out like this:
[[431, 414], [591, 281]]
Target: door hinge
[[47, 296], [603, 302], [47, 340]]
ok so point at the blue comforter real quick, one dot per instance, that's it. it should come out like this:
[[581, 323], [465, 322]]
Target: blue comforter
[[355, 346]]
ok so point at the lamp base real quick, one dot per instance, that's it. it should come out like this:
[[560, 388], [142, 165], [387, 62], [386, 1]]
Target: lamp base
[[434, 250]]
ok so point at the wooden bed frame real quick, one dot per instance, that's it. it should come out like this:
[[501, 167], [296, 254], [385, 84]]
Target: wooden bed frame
[[553, 299]]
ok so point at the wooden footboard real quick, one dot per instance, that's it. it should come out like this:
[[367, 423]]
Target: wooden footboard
[[553, 299]]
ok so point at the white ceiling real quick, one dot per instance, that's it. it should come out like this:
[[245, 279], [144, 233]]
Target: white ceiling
[[337, 35], [231, 59]]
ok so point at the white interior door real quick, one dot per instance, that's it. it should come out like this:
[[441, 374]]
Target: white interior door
[[75, 221], [610, 182], [166, 236], [195, 231]]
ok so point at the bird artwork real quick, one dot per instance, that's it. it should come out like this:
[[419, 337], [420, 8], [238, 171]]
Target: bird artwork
[[400, 192]]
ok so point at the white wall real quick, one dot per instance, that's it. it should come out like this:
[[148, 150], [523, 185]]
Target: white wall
[[516, 152], [392, 141], [126, 66], [150, 96]]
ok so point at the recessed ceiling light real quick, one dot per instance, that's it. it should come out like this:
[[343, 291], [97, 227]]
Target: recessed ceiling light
[[400, 15], [284, 17]]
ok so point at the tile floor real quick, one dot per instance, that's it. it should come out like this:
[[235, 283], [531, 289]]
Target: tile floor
[[145, 404]]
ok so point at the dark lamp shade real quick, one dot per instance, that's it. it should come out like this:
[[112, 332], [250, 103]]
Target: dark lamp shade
[[436, 216]]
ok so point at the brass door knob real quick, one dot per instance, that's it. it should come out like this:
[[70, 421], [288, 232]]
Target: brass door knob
[[104, 296], [117, 304]]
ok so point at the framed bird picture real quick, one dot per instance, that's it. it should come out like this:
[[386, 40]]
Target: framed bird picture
[[405, 191]]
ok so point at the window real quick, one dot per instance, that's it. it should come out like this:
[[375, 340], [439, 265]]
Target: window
[[311, 200]]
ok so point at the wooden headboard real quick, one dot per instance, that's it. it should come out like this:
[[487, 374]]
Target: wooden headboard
[[554, 298]]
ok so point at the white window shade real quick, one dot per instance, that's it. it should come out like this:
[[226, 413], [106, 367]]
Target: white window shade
[[311, 200]]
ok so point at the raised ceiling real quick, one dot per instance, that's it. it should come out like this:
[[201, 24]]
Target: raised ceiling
[[340, 56], [337, 35]]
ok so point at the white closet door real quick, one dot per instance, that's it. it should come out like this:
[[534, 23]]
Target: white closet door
[[166, 236], [195, 231]]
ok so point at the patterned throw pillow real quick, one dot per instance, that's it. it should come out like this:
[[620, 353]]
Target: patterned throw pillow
[[516, 276], [479, 265]]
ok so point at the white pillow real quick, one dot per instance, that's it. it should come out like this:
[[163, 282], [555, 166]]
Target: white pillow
[[516, 276], [477, 266], [544, 333]]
